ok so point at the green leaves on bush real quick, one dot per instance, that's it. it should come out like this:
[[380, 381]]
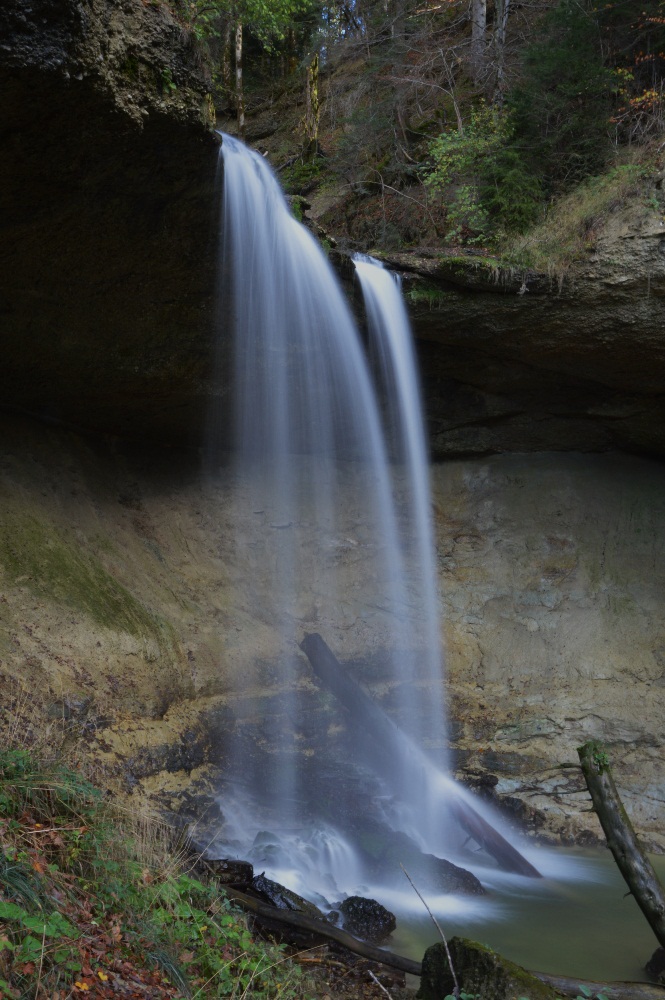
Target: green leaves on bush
[[120, 896], [483, 180], [55, 925]]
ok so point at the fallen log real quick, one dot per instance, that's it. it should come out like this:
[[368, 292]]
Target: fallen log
[[299, 921], [373, 719], [613, 991], [568, 986], [631, 860]]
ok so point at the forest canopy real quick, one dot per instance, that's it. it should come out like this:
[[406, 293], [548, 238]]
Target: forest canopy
[[479, 111]]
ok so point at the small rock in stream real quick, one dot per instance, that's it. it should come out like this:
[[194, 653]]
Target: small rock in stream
[[367, 919]]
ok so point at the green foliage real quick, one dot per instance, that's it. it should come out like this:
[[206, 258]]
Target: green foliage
[[562, 104], [429, 296], [485, 182], [584, 994], [511, 194], [301, 175], [168, 83], [587, 994], [81, 890], [599, 755], [458, 161], [569, 229], [268, 20]]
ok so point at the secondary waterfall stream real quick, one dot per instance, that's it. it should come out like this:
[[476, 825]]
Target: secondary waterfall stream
[[332, 520]]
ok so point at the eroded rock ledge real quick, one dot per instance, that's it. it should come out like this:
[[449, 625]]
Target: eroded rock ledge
[[107, 266], [106, 201], [518, 361]]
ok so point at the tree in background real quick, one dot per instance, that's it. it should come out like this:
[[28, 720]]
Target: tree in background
[[633, 35], [562, 105], [268, 21]]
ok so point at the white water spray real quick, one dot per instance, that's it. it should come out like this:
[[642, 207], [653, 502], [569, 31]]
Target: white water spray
[[335, 539]]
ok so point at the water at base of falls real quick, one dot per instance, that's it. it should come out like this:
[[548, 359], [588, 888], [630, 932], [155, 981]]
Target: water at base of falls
[[333, 538]]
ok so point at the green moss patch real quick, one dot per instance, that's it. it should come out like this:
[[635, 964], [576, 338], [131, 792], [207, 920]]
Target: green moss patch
[[36, 554]]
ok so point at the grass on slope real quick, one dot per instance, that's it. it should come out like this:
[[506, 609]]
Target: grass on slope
[[93, 903]]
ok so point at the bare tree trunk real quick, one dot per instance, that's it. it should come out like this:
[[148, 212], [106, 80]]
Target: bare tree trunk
[[631, 860], [618, 991], [226, 58], [502, 11], [312, 105], [478, 27], [303, 922], [240, 98]]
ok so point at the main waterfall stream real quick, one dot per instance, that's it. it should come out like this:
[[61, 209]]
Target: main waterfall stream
[[332, 523]]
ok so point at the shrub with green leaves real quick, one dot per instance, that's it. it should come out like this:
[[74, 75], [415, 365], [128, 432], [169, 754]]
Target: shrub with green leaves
[[486, 185], [87, 898], [458, 160]]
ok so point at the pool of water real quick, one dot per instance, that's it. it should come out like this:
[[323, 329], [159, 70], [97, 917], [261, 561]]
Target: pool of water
[[577, 921]]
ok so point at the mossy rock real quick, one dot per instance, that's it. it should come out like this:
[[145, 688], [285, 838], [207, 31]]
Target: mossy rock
[[479, 971]]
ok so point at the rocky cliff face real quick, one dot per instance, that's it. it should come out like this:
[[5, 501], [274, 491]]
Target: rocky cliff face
[[128, 618], [107, 265], [516, 361], [108, 224], [125, 611]]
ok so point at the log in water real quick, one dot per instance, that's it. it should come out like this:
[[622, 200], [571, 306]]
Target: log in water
[[368, 714]]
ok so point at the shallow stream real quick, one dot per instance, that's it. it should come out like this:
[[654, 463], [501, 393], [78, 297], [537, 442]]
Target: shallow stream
[[576, 922]]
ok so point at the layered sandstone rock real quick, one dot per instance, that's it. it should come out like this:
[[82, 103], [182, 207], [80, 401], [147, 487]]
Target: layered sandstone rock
[[129, 621]]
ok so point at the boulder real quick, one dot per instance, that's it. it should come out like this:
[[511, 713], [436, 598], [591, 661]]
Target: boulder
[[655, 967], [385, 851], [479, 971], [366, 919]]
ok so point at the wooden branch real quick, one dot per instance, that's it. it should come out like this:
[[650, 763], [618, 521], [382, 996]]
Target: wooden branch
[[566, 985], [633, 863], [616, 991], [299, 921], [375, 721]]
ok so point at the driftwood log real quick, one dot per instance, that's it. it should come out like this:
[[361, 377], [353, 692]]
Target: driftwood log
[[373, 719], [631, 860], [299, 921], [567, 986], [614, 991]]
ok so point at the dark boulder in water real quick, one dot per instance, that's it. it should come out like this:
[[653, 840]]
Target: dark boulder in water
[[385, 852], [655, 967], [367, 919]]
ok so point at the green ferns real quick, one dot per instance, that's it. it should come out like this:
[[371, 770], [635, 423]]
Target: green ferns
[[91, 903]]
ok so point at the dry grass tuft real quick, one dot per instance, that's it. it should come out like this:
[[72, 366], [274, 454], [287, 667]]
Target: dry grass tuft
[[573, 223]]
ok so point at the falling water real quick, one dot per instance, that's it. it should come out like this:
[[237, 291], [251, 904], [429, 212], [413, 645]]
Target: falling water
[[335, 539], [392, 342]]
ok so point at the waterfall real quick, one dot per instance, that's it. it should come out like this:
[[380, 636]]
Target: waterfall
[[392, 342], [334, 538]]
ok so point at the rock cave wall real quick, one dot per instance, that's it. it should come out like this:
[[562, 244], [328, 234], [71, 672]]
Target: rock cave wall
[[124, 610], [127, 612]]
